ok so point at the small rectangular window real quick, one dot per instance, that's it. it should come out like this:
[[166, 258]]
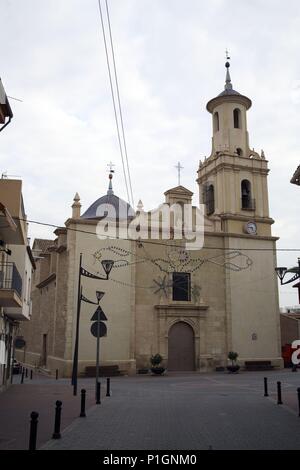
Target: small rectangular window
[[182, 287]]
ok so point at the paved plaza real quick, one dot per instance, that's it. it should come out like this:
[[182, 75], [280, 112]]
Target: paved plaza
[[178, 411]]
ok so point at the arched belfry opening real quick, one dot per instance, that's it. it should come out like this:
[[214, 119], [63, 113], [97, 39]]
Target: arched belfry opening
[[209, 199], [247, 201], [181, 347], [237, 118], [216, 122]]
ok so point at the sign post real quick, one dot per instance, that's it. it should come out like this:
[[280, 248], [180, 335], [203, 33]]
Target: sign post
[[98, 329]]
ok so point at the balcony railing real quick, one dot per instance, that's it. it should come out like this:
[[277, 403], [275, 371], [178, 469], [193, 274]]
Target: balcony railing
[[10, 278], [248, 204]]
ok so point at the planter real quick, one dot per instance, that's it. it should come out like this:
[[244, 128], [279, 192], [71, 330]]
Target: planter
[[158, 370], [233, 369]]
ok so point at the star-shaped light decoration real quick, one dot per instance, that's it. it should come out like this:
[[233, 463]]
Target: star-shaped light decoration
[[162, 285]]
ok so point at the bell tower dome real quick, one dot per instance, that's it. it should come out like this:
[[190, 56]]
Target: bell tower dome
[[229, 116]]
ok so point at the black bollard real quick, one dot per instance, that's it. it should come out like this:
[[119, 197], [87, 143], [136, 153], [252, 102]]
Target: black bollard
[[82, 408], [33, 430], [298, 390], [26, 373], [279, 398], [108, 387], [56, 434], [22, 377], [56, 374], [98, 394], [31, 374], [266, 386]]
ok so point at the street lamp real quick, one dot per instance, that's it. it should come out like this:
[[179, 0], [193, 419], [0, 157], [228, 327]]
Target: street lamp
[[99, 295], [107, 267], [5, 109], [282, 271]]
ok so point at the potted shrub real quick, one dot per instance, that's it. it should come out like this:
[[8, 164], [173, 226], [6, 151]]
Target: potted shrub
[[234, 367], [155, 363]]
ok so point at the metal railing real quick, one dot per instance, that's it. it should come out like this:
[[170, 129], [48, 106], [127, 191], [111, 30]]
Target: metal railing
[[248, 204], [10, 278]]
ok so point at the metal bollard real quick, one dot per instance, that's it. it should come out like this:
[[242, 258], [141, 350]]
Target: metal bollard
[[26, 373], [266, 386], [31, 374], [82, 408], [108, 387], [98, 394], [33, 430], [56, 434], [279, 398], [22, 377], [298, 390], [56, 374]]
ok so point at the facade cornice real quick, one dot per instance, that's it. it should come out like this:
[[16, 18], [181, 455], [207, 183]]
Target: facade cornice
[[210, 169], [46, 281], [238, 235], [245, 218]]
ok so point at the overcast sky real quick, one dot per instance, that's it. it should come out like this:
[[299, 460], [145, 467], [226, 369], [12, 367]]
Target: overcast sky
[[170, 56]]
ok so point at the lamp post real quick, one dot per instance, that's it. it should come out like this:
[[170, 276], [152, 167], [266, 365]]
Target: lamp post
[[107, 267], [283, 271]]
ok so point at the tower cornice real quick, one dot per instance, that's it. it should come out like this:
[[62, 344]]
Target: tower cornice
[[228, 98]]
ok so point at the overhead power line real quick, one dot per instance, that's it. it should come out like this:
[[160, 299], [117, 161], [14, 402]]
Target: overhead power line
[[119, 102], [157, 243], [129, 194]]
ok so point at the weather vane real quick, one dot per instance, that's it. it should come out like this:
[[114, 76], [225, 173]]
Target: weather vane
[[227, 55], [111, 166]]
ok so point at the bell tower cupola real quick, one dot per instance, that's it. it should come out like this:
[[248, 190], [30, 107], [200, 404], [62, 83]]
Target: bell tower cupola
[[229, 116]]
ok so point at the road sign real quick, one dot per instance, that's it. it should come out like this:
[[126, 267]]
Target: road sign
[[94, 329], [99, 312]]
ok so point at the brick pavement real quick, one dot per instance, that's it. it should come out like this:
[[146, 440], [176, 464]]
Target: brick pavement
[[178, 412], [40, 395]]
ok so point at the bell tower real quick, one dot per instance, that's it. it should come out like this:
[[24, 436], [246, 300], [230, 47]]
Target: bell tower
[[233, 180]]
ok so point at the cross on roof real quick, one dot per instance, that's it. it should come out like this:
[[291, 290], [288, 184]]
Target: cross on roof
[[179, 168]]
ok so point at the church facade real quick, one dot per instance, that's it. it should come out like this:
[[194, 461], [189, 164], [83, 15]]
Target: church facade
[[190, 306]]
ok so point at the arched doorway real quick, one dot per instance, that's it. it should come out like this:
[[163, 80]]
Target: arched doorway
[[181, 348]]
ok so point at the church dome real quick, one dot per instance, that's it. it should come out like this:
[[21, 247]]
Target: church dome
[[109, 206]]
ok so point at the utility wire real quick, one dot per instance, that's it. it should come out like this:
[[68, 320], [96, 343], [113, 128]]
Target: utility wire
[[119, 102], [113, 98], [157, 243]]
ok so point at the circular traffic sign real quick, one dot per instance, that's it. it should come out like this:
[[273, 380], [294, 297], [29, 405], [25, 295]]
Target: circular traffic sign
[[94, 329]]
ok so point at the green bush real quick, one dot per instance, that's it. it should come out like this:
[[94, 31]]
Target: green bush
[[232, 356], [156, 360]]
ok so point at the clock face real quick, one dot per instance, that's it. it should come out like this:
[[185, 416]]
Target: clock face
[[251, 228]]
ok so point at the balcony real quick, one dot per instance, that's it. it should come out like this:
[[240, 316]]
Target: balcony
[[248, 204], [10, 286]]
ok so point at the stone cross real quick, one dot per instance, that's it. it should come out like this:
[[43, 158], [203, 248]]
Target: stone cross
[[179, 168]]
